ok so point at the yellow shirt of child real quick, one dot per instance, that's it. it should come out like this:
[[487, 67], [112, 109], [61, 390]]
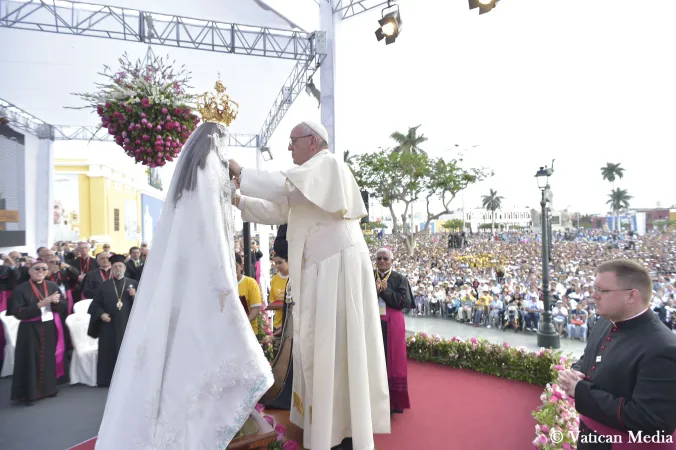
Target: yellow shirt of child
[[250, 293], [278, 294]]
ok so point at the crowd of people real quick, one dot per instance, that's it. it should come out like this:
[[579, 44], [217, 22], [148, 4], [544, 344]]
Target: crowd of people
[[496, 280]]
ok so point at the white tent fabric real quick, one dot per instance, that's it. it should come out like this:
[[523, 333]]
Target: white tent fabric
[[41, 70], [246, 12]]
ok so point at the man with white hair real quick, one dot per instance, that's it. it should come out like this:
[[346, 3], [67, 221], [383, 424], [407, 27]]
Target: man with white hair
[[394, 295], [337, 319]]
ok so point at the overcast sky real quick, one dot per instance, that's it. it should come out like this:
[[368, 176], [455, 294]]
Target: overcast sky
[[582, 82]]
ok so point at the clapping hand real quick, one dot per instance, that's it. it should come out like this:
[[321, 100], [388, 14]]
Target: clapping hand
[[131, 291], [55, 297], [568, 380]]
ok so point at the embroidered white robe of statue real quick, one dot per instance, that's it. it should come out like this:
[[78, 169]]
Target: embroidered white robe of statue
[[340, 377]]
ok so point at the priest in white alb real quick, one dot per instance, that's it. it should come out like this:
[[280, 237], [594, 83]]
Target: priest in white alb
[[340, 392]]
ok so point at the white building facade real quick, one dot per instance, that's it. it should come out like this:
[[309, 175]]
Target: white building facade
[[505, 218]]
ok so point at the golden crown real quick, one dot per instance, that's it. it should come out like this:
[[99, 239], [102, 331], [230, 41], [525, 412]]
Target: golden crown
[[217, 107]]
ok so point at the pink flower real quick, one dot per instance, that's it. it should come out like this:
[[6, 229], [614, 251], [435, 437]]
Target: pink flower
[[145, 103], [165, 110], [158, 128], [260, 408], [473, 340], [545, 429], [281, 431], [269, 420], [505, 344], [566, 446], [558, 367], [543, 439], [290, 445], [553, 399]]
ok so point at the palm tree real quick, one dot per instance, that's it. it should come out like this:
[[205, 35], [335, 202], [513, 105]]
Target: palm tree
[[410, 141], [619, 199], [347, 158], [492, 203], [612, 172]]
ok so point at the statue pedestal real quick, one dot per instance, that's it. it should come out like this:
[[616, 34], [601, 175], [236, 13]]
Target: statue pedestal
[[256, 433]]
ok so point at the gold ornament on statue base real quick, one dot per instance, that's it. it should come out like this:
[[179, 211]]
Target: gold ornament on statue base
[[217, 107]]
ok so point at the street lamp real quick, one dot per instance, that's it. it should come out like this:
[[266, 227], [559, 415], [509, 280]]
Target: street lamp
[[547, 335]]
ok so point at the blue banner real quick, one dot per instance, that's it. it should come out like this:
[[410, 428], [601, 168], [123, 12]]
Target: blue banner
[[151, 208]]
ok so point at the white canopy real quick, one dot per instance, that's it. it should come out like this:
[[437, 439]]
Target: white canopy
[[41, 70]]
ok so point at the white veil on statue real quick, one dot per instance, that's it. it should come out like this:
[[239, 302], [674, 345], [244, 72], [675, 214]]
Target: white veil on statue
[[190, 370]]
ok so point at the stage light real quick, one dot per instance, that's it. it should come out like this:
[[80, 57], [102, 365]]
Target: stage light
[[265, 152], [390, 26], [483, 5]]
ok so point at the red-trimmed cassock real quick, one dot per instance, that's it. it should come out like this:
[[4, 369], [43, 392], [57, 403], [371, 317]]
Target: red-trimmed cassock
[[629, 385], [39, 357]]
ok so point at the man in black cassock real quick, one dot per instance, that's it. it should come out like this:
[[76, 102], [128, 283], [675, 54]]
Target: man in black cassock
[[109, 313], [39, 357], [85, 264], [95, 278], [626, 379], [394, 295]]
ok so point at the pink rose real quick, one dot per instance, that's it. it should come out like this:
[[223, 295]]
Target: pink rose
[[270, 420], [553, 399], [545, 429], [558, 367], [165, 110], [506, 345], [281, 431], [566, 446], [290, 445]]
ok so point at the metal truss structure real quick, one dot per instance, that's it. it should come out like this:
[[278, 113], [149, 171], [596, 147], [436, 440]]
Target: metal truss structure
[[81, 19], [94, 133], [351, 8], [26, 122], [294, 85]]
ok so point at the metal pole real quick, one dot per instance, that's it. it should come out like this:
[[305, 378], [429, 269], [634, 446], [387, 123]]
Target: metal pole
[[329, 23], [550, 234], [246, 248], [547, 335]]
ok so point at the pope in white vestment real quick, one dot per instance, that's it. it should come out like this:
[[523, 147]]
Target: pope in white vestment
[[340, 385]]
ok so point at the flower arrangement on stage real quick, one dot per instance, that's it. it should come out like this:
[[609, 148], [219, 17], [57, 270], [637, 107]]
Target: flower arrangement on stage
[[556, 414], [282, 442], [557, 419], [265, 338], [500, 360], [145, 107]]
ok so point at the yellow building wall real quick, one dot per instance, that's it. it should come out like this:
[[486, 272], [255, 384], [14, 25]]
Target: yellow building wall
[[98, 199], [672, 215]]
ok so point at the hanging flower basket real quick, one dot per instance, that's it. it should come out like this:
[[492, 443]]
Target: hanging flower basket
[[145, 107]]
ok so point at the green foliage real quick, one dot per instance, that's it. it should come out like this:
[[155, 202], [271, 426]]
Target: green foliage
[[403, 177], [453, 224], [499, 360]]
